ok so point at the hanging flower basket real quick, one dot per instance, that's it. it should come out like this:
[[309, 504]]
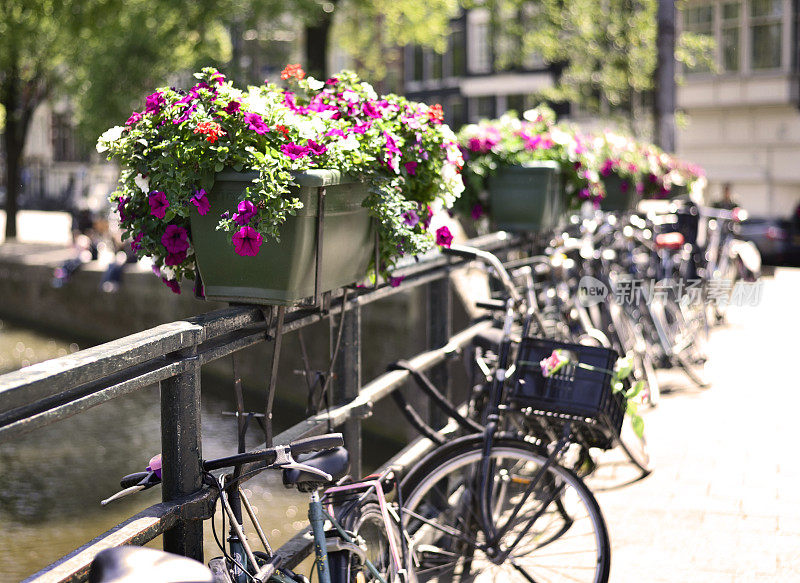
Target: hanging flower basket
[[289, 270]]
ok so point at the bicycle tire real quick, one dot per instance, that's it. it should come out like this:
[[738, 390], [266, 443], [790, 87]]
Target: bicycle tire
[[635, 447], [690, 357], [365, 521], [435, 490]]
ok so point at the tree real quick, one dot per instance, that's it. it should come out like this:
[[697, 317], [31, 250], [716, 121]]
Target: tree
[[102, 53]]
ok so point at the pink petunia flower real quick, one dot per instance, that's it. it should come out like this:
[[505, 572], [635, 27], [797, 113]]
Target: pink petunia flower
[[295, 151], [411, 167], [200, 200], [247, 241], [316, 149], [134, 118], [175, 258], [172, 284], [246, 211], [158, 203], [256, 123], [175, 239], [396, 281], [123, 200], [154, 102], [444, 237], [136, 244], [232, 107], [410, 218]]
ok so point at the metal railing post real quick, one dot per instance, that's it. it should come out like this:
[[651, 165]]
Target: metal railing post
[[181, 451], [347, 381], [440, 329]]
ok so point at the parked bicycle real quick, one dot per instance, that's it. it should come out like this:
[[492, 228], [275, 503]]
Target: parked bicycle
[[362, 544]]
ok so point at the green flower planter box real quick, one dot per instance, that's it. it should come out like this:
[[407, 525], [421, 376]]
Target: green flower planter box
[[618, 198], [285, 272], [526, 197]]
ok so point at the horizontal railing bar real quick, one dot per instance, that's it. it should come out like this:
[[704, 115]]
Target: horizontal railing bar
[[227, 320], [52, 410], [230, 343], [51, 377], [137, 530]]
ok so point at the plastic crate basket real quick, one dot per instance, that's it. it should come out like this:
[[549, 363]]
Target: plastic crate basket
[[579, 395]]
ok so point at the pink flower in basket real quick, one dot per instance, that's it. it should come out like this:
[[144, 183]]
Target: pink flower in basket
[[553, 363]]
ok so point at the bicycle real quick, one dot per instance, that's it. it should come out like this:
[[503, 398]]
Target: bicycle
[[498, 501], [363, 544]]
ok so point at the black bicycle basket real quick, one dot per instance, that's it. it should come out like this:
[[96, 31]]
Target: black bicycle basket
[[577, 394]]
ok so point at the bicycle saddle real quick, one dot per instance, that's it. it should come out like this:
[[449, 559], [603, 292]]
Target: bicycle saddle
[[129, 564], [335, 462]]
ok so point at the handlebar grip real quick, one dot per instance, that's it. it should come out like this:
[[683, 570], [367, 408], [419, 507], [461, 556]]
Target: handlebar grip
[[132, 479], [460, 251], [492, 305], [318, 443], [306, 445]]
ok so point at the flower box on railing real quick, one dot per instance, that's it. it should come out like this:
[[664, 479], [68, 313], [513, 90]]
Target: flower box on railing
[[526, 197], [287, 271]]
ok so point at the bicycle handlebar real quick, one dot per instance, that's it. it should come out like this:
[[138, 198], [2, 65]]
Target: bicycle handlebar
[[270, 455], [471, 253]]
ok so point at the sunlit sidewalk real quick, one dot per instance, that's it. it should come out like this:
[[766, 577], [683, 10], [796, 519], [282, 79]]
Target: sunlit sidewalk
[[723, 503]]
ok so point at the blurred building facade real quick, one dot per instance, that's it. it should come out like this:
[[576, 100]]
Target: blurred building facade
[[744, 116], [483, 73]]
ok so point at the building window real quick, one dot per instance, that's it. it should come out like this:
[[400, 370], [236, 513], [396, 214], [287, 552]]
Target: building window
[[730, 45], [65, 145], [437, 68], [699, 20], [515, 103], [456, 112], [458, 54], [479, 41], [765, 34], [485, 107], [419, 64]]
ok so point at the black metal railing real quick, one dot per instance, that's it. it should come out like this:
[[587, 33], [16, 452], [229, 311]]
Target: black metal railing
[[173, 355]]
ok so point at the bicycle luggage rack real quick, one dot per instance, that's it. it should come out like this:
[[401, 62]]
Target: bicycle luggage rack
[[581, 396]]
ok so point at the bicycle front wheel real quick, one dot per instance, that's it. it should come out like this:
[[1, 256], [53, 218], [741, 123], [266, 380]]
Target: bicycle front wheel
[[548, 525]]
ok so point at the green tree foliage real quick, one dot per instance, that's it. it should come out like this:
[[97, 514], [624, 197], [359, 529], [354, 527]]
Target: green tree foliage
[[369, 30], [604, 50], [99, 52]]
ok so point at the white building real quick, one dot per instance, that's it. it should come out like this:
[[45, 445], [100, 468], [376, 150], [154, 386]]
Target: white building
[[744, 118]]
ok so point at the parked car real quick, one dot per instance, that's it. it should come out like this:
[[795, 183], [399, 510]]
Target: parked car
[[773, 237]]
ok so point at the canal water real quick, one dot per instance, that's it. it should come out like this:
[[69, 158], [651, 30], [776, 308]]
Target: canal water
[[52, 479]]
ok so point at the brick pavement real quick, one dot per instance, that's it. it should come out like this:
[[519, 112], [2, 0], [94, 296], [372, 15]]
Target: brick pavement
[[723, 503]]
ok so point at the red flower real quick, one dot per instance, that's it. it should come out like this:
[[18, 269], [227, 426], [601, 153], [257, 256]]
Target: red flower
[[293, 71], [211, 129], [282, 129], [435, 113]]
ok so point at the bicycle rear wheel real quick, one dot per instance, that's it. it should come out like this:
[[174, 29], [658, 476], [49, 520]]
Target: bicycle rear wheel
[[558, 533], [366, 524]]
